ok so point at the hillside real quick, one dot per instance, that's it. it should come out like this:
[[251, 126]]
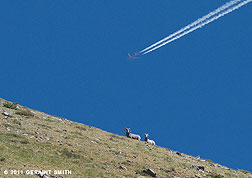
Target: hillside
[[33, 140]]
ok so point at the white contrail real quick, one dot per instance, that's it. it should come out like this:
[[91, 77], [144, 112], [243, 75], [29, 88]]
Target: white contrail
[[200, 20], [200, 25]]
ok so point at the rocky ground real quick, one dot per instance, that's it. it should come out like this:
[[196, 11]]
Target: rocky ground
[[35, 144]]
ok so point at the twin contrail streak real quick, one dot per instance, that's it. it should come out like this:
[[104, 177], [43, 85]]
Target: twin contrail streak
[[212, 16], [225, 6]]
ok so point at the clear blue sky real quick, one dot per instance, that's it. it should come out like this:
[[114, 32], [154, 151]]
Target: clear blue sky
[[69, 58]]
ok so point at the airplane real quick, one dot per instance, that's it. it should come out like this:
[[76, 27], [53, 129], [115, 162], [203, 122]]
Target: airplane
[[133, 56]]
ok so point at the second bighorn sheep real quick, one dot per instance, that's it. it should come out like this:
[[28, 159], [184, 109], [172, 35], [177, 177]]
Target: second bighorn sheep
[[152, 142], [130, 135]]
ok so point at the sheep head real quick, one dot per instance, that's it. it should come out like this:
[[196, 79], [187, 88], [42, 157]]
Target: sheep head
[[127, 129]]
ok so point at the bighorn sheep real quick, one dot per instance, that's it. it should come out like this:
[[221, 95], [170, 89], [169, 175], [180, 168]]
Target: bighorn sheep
[[130, 135], [152, 142]]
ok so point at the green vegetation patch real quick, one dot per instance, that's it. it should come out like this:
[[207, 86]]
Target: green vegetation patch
[[49, 120], [7, 125], [15, 121], [69, 154], [217, 176], [117, 137], [77, 133], [168, 159], [12, 135], [44, 126], [10, 105]]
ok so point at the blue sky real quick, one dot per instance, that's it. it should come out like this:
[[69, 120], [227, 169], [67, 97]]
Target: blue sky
[[69, 58]]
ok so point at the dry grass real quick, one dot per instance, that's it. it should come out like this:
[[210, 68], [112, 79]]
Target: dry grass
[[48, 142]]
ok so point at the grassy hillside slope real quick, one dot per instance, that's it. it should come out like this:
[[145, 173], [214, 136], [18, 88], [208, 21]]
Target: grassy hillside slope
[[32, 140]]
